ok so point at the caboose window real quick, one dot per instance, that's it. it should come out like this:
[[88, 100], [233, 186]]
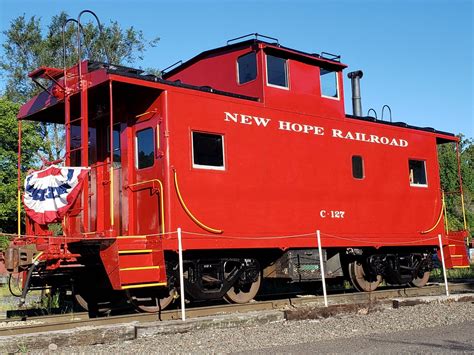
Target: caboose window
[[247, 67], [277, 71], [117, 153], [208, 151], [145, 148], [329, 86], [417, 172], [357, 167]]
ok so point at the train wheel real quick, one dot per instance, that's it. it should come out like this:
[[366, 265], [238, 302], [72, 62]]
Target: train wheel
[[151, 300], [421, 281], [243, 293], [359, 280], [92, 304]]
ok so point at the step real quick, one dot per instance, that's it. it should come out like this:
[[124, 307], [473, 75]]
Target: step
[[135, 258], [455, 255], [140, 261], [141, 274]]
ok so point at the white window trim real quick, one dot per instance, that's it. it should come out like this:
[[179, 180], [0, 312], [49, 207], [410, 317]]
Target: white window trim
[[237, 68], [418, 185], [337, 87], [426, 175], [136, 151], [208, 167], [287, 74], [136, 148]]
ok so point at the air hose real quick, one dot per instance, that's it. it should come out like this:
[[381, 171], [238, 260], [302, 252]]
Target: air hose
[[28, 278]]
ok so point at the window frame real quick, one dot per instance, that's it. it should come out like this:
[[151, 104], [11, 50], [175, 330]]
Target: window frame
[[338, 97], [209, 167], [237, 68], [287, 73], [412, 184], [136, 148], [362, 166], [119, 149]]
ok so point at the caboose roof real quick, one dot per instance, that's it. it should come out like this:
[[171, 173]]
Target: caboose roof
[[275, 48]]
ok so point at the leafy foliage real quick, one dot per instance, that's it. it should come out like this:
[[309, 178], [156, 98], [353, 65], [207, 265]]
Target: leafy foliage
[[448, 163], [32, 143], [27, 46]]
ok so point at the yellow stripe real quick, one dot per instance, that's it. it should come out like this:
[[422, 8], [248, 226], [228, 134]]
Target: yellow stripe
[[111, 187], [457, 256], [144, 285], [137, 251], [461, 267], [131, 237], [188, 212], [439, 218], [451, 245], [19, 213], [162, 208], [139, 268]]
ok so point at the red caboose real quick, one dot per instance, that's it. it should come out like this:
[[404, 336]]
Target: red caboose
[[248, 149]]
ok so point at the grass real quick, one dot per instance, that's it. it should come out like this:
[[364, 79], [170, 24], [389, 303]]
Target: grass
[[4, 291], [465, 273], [10, 302]]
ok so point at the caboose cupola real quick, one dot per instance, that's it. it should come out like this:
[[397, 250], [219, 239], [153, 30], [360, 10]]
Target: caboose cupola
[[278, 76]]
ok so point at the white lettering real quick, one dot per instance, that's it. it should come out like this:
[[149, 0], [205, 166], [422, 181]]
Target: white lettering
[[260, 121], [319, 131], [230, 117], [307, 128], [284, 125], [296, 127], [314, 130], [374, 139], [349, 136], [245, 119], [337, 133]]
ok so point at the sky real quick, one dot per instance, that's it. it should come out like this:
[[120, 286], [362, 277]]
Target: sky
[[416, 55]]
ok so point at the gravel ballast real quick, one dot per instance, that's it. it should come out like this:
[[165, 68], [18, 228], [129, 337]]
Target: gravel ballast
[[287, 333]]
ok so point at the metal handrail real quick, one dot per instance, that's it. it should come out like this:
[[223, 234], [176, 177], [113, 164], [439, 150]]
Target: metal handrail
[[389, 110], [63, 34], [375, 112], [162, 210], [256, 35], [79, 54]]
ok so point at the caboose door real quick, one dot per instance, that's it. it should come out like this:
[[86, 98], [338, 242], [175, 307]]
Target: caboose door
[[145, 187]]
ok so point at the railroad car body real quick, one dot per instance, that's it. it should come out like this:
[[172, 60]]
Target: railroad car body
[[248, 150]]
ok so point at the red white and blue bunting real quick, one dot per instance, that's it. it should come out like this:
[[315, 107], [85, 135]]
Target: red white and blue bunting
[[51, 192]]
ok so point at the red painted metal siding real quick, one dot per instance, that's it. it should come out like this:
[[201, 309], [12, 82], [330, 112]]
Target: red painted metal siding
[[220, 72], [277, 182]]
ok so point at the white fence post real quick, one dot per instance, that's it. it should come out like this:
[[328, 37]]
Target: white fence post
[[444, 265], [321, 263], [181, 276]]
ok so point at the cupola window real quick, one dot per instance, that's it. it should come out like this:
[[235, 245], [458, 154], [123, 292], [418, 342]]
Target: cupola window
[[247, 68], [277, 72], [329, 85]]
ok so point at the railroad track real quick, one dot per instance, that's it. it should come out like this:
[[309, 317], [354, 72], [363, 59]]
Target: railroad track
[[73, 320]]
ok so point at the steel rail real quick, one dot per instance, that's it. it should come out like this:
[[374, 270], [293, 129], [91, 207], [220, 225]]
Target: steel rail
[[70, 321]]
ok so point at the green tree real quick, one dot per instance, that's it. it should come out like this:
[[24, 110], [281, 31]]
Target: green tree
[[450, 182], [28, 45], [8, 162]]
